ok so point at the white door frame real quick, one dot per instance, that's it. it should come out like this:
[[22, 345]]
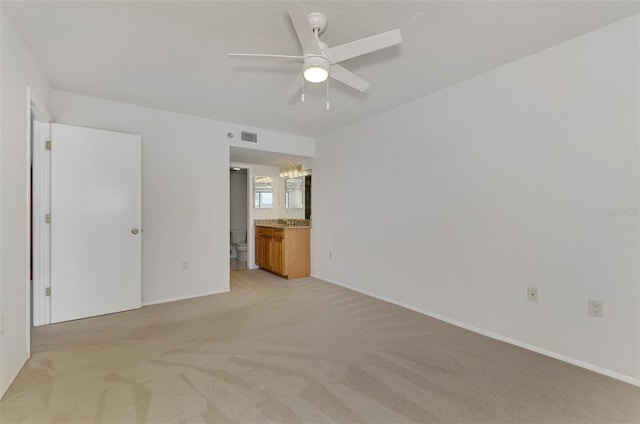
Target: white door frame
[[250, 237], [39, 232]]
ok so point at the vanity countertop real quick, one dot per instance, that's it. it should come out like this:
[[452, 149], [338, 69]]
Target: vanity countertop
[[283, 223], [287, 226]]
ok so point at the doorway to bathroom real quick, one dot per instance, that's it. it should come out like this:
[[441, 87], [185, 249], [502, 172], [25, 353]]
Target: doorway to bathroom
[[238, 218]]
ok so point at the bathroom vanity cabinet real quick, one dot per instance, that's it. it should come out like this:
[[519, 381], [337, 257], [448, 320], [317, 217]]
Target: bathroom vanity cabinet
[[284, 251]]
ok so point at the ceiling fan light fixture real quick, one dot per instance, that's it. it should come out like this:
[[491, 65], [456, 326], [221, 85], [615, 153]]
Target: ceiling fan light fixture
[[316, 74], [316, 69]]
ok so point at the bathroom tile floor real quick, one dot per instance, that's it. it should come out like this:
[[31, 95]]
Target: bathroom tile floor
[[237, 265]]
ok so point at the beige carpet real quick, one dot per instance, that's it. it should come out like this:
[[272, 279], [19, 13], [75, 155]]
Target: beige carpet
[[274, 350]]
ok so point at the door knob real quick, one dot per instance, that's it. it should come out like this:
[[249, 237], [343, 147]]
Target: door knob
[[134, 231]]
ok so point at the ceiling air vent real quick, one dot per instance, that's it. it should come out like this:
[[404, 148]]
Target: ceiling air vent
[[249, 136]]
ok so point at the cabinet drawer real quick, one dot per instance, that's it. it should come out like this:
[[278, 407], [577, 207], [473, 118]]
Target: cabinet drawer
[[271, 232], [265, 231]]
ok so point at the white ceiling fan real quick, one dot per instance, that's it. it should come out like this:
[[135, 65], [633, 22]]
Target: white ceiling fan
[[321, 61]]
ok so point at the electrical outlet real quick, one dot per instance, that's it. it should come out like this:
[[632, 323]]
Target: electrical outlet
[[330, 254], [532, 294], [185, 264], [595, 308]]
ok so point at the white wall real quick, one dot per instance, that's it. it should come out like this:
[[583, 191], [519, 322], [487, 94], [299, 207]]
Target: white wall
[[455, 203], [273, 141], [238, 201], [185, 189], [19, 69]]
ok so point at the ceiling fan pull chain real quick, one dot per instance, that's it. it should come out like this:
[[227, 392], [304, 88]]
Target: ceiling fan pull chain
[[328, 106], [303, 84]]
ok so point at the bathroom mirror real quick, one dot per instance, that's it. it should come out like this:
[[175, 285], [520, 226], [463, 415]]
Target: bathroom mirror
[[263, 192], [294, 194]]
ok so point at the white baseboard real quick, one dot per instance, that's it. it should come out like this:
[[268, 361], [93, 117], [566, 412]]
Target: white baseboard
[[13, 377], [564, 358], [173, 299]]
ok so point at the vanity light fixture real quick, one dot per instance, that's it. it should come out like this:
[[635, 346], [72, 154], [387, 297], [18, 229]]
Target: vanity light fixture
[[295, 170], [235, 168], [262, 180]]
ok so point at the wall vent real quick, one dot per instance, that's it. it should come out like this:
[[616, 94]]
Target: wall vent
[[249, 136]]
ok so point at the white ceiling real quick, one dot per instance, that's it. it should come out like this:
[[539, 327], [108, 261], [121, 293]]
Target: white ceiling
[[173, 55]]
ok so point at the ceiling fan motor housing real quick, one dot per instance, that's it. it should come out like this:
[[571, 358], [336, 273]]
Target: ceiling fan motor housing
[[318, 21]]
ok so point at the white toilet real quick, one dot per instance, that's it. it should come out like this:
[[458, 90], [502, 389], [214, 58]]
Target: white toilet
[[239, 241]]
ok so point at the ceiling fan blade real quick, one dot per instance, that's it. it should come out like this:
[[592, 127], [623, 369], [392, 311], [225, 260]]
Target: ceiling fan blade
[[272, 57], [295, 86], [300, 22], [364, 46], [347, 77]]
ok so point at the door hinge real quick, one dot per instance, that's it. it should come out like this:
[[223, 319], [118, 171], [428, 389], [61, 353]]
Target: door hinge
[[47, 218], [47, 145], [47, 291]]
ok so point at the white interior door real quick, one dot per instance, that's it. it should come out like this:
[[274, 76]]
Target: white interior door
[[95, 222]]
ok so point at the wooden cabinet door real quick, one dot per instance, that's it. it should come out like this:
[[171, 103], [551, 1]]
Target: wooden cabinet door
[[277, 255], [265, 253], [260, 242], [258, 251], [266, 257]]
